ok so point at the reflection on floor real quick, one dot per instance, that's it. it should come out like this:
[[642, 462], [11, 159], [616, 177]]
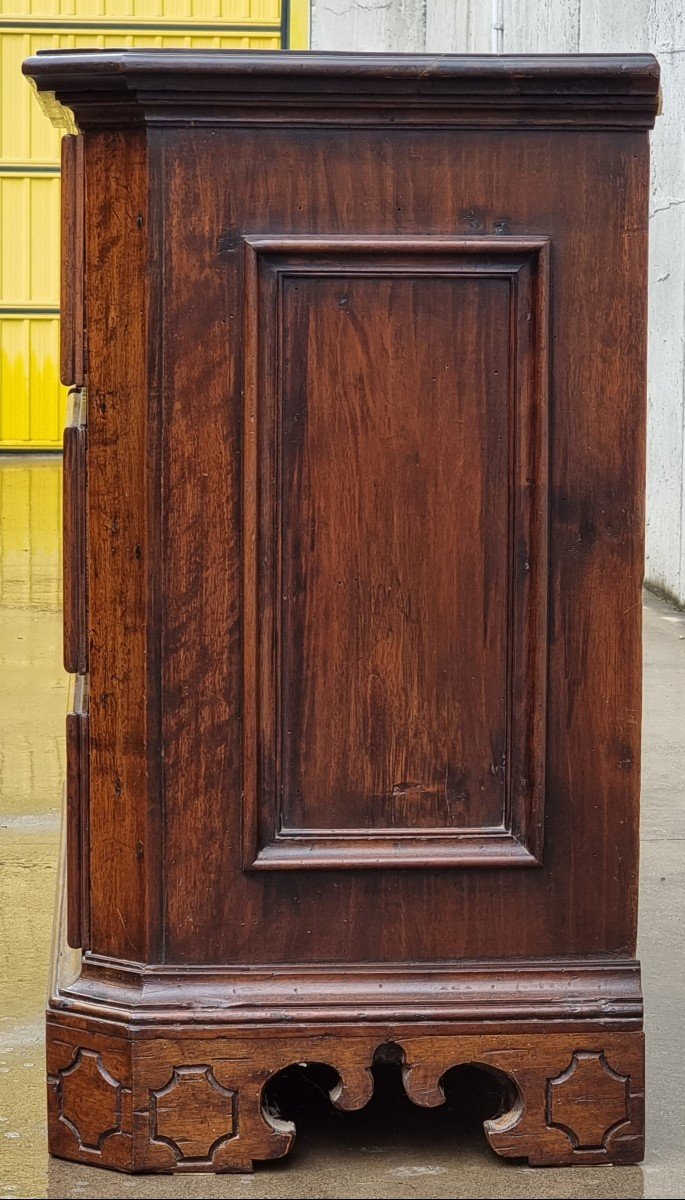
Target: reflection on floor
[[31, 734], [390, 1149]]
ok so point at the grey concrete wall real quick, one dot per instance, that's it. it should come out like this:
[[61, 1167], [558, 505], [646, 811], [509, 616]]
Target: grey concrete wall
[[403, 26], [572, 26], [659, 26]]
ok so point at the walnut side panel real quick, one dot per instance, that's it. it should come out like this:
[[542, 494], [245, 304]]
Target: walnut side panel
[[216, 189], [395, 435], [582, 895]]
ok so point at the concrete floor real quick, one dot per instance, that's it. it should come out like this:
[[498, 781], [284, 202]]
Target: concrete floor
[[392, 1149]]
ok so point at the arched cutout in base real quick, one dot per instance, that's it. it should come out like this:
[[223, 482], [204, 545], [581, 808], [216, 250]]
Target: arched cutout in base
[[198, 1103], [301, 1095]]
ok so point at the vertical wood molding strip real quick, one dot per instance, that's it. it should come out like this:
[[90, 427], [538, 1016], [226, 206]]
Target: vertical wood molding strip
[[75, 571]]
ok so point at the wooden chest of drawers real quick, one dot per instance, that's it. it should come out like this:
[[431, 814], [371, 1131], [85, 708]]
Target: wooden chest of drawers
[[354, 486]]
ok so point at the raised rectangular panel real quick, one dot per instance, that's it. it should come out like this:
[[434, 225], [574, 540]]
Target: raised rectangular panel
[[394, 551]]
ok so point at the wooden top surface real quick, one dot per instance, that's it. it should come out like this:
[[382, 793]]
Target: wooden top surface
[[123, 87]]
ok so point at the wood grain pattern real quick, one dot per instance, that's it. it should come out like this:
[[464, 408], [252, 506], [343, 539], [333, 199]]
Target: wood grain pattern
[[596, 215], [89, 1098], [74, 546], [192, 1114], [105, 90], [72, 282], [394, 690], [123, 523], [366, 343], [90, 1112], [597, 995], [78, 814], [208, 1093], [588, 1126]]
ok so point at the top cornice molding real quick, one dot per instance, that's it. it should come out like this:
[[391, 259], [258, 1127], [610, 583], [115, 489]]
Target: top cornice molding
[[89, 90]]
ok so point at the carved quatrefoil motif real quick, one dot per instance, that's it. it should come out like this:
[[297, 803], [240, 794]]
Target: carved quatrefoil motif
[[193, 1113], [89, 1100], [588, 1100]]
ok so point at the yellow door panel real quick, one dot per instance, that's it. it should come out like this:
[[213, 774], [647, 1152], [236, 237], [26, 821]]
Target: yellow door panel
[[29, 250], [31, 399]]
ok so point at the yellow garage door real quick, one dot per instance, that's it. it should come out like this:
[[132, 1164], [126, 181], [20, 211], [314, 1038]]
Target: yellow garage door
[[31, 397]]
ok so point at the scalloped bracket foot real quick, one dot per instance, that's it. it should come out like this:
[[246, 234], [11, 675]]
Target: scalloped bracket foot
[[195, 1101]]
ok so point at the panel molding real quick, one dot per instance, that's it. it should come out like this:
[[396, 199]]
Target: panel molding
[[524, 263]]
